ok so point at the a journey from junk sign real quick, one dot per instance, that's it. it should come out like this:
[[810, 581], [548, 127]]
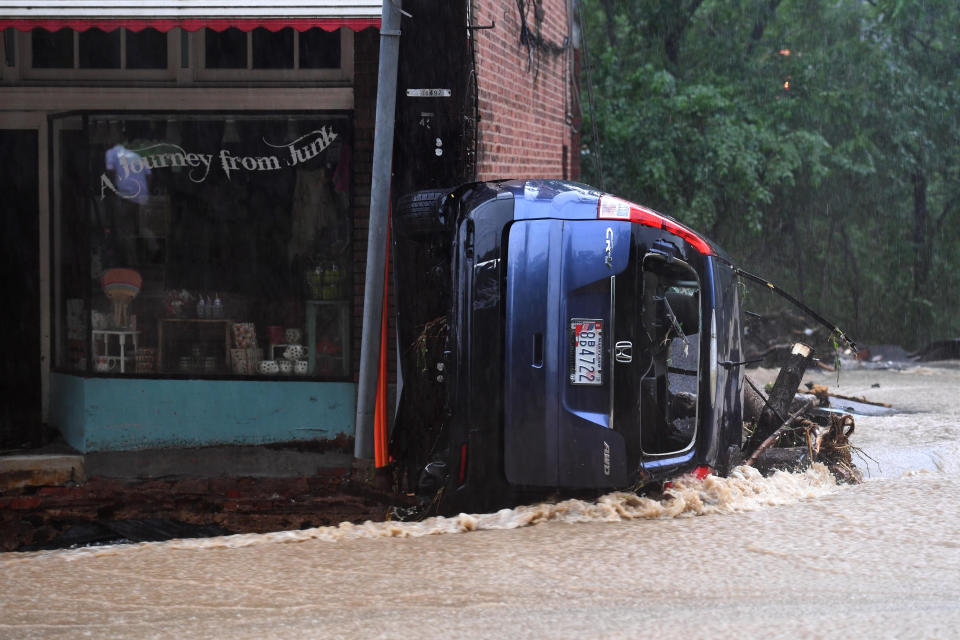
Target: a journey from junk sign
[[126, 169]]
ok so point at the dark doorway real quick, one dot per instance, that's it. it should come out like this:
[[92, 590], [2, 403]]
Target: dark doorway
[[20, 425]]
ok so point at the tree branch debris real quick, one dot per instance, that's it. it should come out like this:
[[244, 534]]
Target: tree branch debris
[[806, 434]]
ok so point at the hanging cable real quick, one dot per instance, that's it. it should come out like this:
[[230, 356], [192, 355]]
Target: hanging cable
[[593, 109], [471, 124], [783, 294]]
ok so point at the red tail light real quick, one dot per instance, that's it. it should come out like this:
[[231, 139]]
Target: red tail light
[[613, 208], [701, 472], [698, 472]]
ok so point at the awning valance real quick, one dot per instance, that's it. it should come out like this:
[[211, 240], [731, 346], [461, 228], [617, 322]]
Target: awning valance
[[190, 15]]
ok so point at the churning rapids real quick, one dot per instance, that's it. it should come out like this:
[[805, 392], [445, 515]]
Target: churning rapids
[[792, 555]]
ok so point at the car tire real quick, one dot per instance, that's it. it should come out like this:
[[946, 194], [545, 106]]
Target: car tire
[[417, 214]]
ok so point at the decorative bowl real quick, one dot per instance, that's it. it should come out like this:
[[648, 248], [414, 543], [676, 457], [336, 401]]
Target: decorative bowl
[[268, 367], [294, 352]]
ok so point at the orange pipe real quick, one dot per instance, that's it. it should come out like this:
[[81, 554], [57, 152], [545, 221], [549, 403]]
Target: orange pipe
[[380, 454]]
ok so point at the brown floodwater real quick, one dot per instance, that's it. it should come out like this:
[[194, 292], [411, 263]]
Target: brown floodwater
[[793, 555]]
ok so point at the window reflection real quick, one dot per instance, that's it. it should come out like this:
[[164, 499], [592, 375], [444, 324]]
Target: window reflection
[[199, 245]]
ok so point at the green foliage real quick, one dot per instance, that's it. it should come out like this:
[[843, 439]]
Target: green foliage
[[815, 140]]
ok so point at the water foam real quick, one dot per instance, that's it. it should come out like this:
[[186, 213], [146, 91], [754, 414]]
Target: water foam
[[744, 490]]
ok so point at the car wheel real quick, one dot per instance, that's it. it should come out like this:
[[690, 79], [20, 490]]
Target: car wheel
[[417, 214]]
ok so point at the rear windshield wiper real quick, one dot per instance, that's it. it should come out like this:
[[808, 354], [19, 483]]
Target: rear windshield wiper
[[674, 321]]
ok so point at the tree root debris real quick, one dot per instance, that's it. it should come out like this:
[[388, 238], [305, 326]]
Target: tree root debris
[[836, 451], [804, 436]]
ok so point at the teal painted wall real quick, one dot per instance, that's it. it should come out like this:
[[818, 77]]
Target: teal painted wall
[[121, 414], [67, 408]]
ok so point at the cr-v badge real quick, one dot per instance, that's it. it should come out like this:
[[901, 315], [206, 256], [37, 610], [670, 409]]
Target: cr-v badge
[[608, 249], [623, 351]]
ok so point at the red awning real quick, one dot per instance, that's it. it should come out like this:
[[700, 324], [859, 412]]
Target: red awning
[[189, 15], [220, 24]]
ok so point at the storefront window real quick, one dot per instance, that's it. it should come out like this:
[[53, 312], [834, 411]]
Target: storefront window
[[230, 55], [272, 49], [319, 49], [283, 49], [52, 49], [198, 245], [146, 49], [226, 49], [97, 49]]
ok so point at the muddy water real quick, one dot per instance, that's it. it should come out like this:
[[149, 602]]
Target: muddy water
[[789, 556]]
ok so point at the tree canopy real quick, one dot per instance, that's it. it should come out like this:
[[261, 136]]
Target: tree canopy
[[815, 140]]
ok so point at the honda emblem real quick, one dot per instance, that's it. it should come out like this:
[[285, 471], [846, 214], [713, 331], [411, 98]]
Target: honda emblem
[[623, 351]]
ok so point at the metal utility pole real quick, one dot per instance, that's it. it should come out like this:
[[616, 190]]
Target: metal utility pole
[[377, 232]]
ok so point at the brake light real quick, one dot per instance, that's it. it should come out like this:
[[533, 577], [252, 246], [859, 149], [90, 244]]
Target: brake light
[[699, 473], [613, 208]]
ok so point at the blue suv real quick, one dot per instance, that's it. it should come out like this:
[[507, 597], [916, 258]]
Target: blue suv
[[558, 340]]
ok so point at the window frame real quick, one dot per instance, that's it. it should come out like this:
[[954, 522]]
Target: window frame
[[29, 72], [190, 71], [343, 73]]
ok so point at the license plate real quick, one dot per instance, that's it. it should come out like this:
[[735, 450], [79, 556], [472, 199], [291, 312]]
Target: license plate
[[586, 351]]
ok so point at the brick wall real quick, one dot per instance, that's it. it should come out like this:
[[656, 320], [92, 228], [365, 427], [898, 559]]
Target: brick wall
[[525, 101], [524, 91]]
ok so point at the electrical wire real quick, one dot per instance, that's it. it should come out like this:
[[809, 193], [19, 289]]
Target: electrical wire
[[813, 314], [593, 110]]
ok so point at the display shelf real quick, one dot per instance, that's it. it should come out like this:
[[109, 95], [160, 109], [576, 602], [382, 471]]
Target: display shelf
[[106, 338]]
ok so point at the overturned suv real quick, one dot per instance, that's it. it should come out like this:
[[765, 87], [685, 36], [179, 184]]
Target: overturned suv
[[557, 340]]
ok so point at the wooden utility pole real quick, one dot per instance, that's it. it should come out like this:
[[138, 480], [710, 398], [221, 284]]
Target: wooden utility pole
[[777, 409]]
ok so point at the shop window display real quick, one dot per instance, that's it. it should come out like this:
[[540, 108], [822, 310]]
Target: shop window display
[[199, 245]]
